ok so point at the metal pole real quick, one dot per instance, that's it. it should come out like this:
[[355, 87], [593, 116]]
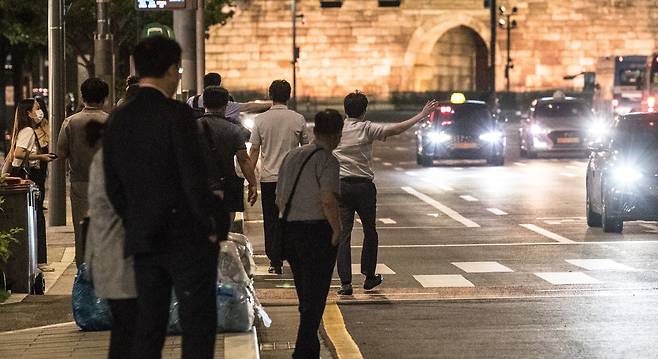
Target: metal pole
[[103, 49], [492, 52], [56, 67], [293, 103], [184, 24], [509, 45], [200, 44]]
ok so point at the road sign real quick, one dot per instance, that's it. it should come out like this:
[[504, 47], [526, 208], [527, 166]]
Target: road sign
[[146, 5], [158, 29]]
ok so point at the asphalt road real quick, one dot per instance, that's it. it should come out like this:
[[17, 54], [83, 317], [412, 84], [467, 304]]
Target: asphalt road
[[498, 262]]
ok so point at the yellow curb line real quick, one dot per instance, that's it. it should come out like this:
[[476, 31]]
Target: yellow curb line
[[334, 325]]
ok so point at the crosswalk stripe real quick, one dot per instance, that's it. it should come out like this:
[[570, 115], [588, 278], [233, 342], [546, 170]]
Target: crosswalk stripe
[[387, 221], [546, 233], [600, 264], [497, 211], [443, 281], [481, 267], [562, 278], [380, 269], [469, 198], [447, 210]]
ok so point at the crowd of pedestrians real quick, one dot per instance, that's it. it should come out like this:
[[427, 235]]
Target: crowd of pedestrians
[[158, 180]]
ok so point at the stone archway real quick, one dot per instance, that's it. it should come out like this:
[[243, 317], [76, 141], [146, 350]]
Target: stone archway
[[448, 53]]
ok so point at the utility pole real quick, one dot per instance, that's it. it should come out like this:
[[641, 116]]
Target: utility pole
[[56, 76], [508, 24], [200, 45], [184, 28], [492, 53], [103, 48]]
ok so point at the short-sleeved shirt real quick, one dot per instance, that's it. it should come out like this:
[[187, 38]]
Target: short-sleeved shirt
[[27, 140], [232, 108], [277, 131], [354, 153], [228, 138], [72, 142], [319, 175]]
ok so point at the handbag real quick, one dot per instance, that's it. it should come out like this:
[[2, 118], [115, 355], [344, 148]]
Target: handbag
[[281, 221]]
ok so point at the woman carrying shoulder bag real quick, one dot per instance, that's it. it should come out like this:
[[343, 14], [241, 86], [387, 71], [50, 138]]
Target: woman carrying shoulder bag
[[24, 161]]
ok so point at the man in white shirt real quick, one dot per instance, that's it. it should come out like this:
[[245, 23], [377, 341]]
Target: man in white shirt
[[357, 189], [275, 133], [233, 108]]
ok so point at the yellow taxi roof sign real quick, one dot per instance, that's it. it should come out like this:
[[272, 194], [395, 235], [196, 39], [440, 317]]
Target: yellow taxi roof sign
[[457, 98]]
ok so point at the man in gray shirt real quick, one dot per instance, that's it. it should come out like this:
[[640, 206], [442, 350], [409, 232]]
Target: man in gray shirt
[[357, 190], [312, 225], [275, 133], [72, 145]]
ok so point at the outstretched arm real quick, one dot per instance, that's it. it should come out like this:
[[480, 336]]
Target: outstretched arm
[[398, 128]]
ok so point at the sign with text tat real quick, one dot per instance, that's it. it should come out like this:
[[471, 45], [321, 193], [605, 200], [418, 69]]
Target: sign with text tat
[[162, 4]]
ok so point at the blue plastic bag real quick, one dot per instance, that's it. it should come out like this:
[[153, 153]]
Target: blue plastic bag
[[89, 312], [235, 308]]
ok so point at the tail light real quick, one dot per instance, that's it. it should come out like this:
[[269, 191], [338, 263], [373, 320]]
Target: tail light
[[651, 104], [615, 103]]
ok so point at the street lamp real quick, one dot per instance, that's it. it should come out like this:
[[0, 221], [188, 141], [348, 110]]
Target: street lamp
[[508, 24], [295, 53]]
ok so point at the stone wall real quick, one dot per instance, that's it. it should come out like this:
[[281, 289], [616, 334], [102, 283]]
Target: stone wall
[[385, 50]]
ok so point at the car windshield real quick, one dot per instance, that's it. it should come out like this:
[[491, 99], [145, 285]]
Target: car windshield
[[561, 109], [637, 136], [466, 113]]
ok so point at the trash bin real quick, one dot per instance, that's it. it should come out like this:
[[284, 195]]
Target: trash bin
[[19, 210]]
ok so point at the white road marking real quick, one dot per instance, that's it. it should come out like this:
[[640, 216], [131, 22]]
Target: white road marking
[[398, 169], [376, 159], [546, 233], [380, 269], [441, 207], [481, 267], [497, 211], [387, 164], [566, 174], [443, 281], [572, 167], [520, 164], [516, 244], [458, 168], [412, 174], [435, 215], [406, 163], [446, 188], [600, 264], [387, 221], [400, 148], [561, 278], [468, 198]]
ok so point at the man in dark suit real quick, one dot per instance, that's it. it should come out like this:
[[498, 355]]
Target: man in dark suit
[[157, 182]]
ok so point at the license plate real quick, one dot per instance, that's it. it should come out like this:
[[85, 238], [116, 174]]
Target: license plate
[[465, 146], [568, 140]]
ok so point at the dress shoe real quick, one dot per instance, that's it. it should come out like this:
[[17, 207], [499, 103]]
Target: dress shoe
[[372, 282], [275, 270], [345, 289]]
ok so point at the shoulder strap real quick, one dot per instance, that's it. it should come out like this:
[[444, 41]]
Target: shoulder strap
[[195, 102], [286, 210]]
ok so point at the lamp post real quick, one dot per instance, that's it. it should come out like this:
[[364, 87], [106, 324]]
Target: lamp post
[[508, 24], [295, 53]]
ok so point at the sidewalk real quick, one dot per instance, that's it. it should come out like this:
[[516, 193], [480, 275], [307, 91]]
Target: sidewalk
[[41, 326]]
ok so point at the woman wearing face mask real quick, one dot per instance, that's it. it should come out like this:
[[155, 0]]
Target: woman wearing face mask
[[24, 160]]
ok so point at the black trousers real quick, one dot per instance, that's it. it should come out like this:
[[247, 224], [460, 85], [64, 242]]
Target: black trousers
[[191, 268], [38, 176], [360, 196], [312, 258], [270, 214], [124, 313]]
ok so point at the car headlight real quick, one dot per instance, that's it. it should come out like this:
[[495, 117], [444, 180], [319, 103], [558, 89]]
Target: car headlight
[[438, 137], [537, 130], [626, 174], [248, 123], [598, 129], [492, 136]]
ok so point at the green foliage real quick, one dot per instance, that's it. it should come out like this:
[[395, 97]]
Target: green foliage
[[24, 22]]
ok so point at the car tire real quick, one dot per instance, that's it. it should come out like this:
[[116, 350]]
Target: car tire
[[531, 154], [610, 224], [423, 160], [593, 218]]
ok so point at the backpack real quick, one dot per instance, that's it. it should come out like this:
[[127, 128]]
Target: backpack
[[198, 111]]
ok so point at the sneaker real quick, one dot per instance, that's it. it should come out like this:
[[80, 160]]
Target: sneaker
[[275, 270], [345, 289], [45, 267], [372, 282]]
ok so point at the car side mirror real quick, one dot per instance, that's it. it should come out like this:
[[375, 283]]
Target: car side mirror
[[597, 147]]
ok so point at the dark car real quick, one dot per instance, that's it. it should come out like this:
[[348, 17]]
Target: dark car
[[559, 124], [460, 129], [622, 175]]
